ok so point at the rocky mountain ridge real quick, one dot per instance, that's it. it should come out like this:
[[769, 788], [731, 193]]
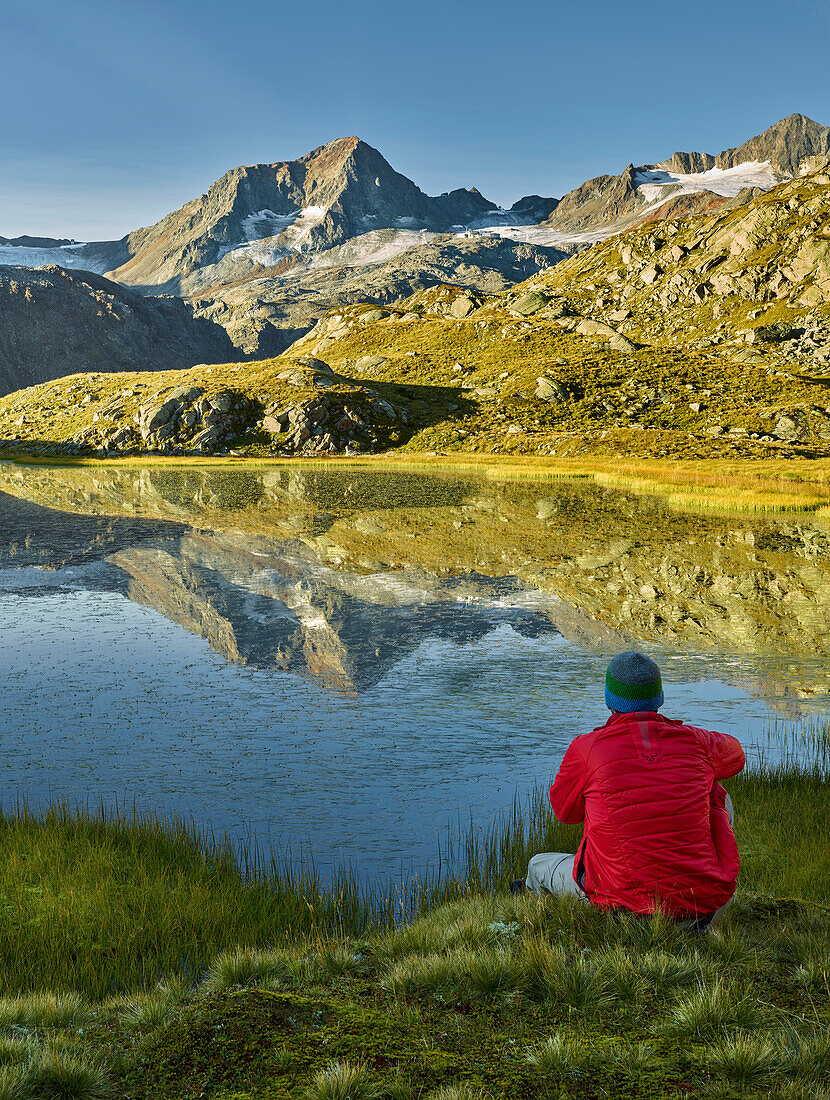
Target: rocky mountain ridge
[[703, 179], [343, 190], [262, 220], [266, 273], [692, 337]]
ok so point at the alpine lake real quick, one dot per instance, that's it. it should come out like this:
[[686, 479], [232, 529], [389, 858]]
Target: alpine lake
[[347, 664]]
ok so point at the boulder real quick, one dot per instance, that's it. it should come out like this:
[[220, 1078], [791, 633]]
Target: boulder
[[293, 378], [598, 328], [462, 306], [788, 429], [158, 410], [650, 273], [548, 389], [384, 407], [221, 402], [530, 303], [205, 440], [370, 362], [310, 362], [372, 315], [775, 333]]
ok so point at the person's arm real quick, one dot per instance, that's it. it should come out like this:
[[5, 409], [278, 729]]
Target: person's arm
[[724, 751], [567, 795]]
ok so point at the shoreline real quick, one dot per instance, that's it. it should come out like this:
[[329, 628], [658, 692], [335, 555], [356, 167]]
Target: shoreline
[[749, 484]]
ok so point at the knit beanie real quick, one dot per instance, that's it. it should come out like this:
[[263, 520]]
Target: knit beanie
[[633, 683]]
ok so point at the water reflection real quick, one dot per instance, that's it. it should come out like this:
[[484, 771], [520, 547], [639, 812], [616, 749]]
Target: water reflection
[[338, 574], [351, 660]]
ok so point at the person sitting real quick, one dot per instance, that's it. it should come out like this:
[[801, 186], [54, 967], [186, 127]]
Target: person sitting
[[658, 824]]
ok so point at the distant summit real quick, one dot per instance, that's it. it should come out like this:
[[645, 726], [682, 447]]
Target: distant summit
[[702, 179], [339, 191], [785, 145]]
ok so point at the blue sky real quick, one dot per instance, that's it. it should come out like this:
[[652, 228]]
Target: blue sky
[[117, 112]]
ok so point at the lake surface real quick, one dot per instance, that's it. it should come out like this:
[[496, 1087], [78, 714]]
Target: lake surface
[[346, 663]]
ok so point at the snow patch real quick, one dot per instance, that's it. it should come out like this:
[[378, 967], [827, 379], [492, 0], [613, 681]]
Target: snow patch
[[375, 247], [497, 219], [265, 223], [544, 237], [656, 185], [270, 237], [64, 256]]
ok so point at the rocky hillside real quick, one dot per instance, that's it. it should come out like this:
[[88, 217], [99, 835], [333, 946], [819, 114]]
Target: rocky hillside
[[691, 337], [57, 322], [264, 317], [702, 179]]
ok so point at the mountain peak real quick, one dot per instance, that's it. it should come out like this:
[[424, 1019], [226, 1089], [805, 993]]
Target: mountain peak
[[338, 191], [785, 144]]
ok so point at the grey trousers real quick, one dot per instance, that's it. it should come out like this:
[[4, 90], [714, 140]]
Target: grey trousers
[[552, 872]]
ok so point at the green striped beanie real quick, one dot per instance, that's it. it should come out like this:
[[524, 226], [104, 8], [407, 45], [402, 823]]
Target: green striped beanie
[[633, 683]]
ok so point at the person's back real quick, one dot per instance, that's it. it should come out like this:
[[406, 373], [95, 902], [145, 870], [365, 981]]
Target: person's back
[[658, 832]]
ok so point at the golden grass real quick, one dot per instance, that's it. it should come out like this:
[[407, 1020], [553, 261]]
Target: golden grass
[[721, 485]]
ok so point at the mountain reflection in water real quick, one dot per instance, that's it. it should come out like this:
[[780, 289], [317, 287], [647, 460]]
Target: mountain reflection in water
[[339, 573], [415, 645]]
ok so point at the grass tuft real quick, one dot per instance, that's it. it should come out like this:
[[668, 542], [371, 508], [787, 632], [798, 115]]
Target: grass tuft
[[709, 1011], [457, 1092], [44, 1010], [344, 1081], [744, 1061], [56, 1074], [13, 1083], [806, 1058], [663, 971], [561, 1057], [14, 1050], [243, 968], [559, 976], [422, 976], [340, 960], [146, 1010]]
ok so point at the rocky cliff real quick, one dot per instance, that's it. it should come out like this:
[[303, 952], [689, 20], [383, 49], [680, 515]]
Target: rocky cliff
[[57, 322]]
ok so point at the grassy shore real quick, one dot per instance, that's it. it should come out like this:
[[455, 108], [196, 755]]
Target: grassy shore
[[140, 959]]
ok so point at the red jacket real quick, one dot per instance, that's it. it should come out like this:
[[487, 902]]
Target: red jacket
[[657, 835]]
